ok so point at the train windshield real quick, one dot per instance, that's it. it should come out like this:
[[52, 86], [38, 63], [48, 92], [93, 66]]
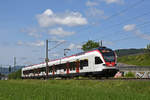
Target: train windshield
[[108, 55]]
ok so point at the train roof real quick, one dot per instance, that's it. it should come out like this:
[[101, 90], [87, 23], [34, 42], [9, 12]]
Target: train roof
[[99, 48]]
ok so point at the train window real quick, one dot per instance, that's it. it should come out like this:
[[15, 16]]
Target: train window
[[74, 68], [72, 65], [71, 69], [30, 71], [24, 72], [81, 67], [58, 67], [38, 70], [98, 60], [35, 71], [62, 66], [50, 69], [83, 63]]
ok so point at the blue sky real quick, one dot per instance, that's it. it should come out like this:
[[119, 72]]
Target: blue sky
[[26, 24]]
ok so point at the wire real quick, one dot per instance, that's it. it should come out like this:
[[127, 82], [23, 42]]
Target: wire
[[126, 9], [121, 31], [118, 13], [57, 45], [130, 19]]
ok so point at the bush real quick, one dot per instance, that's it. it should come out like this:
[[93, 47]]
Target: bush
[[15, 75], [130, 74]]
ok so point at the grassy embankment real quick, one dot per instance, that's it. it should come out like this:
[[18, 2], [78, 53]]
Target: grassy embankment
[[74, 90], [139, 60]]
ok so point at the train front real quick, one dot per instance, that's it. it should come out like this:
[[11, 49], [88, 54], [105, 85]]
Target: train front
[[110, 59]]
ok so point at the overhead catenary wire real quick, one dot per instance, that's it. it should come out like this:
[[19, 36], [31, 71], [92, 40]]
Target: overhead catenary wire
[[127, 37], [125, 21], [125, 10], [57, 45], [118, 13], [122, 31]]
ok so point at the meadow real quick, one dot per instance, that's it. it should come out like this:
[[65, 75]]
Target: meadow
[[74, 90], [139, 60]]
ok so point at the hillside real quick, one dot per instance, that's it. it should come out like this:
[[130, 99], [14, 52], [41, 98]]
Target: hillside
[[132, 51], [139, 60]]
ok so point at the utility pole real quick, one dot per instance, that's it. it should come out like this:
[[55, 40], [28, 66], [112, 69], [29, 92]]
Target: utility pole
[[101, 43], [14, 63], [46, 59], [0, 68], [9, 68]]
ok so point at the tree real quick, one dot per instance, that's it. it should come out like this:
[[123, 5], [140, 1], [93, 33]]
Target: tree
[[148, 48], [9, 68], [90, 45], [15, 75]]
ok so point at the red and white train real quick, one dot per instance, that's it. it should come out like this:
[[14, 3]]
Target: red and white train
[[98, 62]]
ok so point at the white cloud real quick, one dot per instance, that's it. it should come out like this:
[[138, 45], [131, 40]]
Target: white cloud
[[33, 32], [140, 34], [74, 46], [55, 54], [129, 27], [136, 31], [48, 12], [114, 1], [108, 43], [91, 3], [35, 44], [20, 43], [56, 39], [48, 18], [60, 32], [94, 12]]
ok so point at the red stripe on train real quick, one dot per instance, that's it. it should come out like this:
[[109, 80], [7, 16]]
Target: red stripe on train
[[77, 66], [67, 68]]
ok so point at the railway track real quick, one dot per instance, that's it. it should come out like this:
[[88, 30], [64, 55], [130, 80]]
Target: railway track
[[103, 78], [127, 79]]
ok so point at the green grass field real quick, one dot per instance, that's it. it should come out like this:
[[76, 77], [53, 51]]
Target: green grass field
[[74, 90], [139, 60]]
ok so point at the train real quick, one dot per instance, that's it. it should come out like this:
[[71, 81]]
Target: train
[[99, 62]]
